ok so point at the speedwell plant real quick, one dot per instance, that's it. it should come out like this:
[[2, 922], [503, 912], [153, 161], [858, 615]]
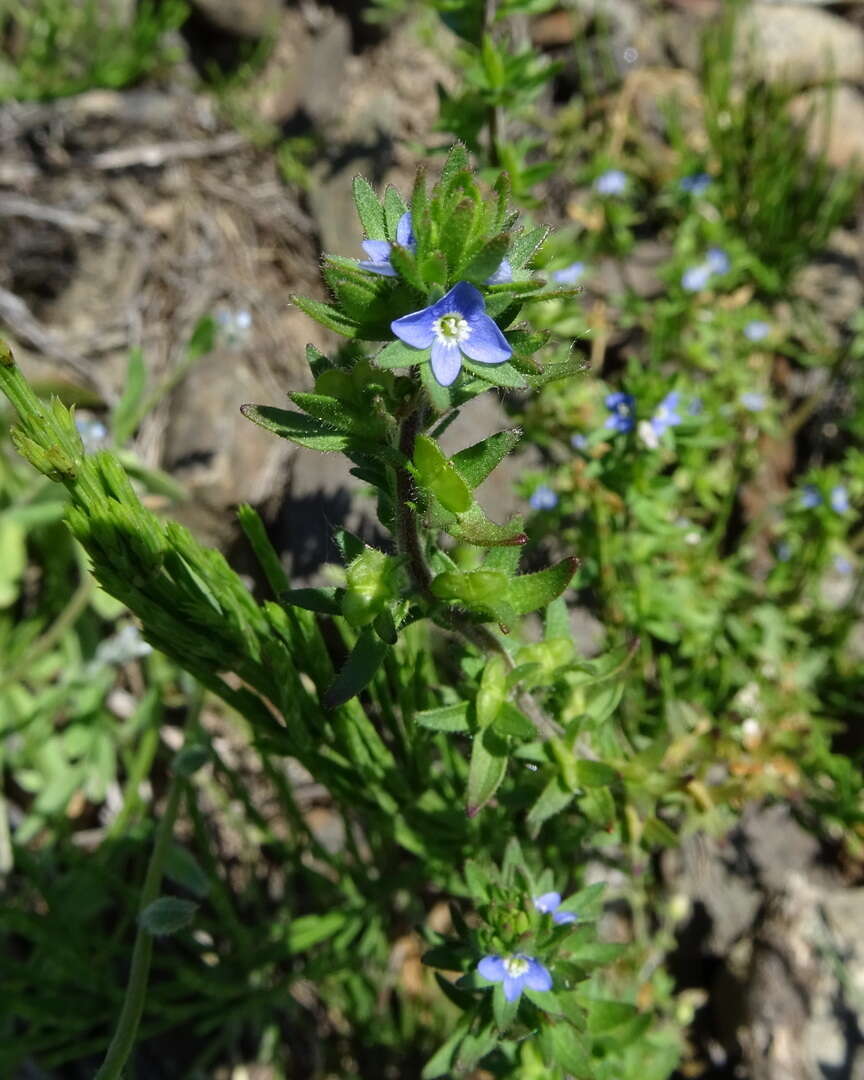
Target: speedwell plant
[[444, 757]]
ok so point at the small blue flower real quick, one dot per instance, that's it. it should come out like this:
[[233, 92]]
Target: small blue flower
[[752, 402], [543, 498], [839, 499], [379, 250], [696, 278], [569, 275], [621, 406], [757, 330], [666, 416], [503, 275], [842, 565], [697, 184], [611, 182], [810, 497], [454, 326], [578, 441], [548, 904], [516, 972], [718, 260]]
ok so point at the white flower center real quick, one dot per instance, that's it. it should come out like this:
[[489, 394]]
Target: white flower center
[[450, 329], [516, 966]]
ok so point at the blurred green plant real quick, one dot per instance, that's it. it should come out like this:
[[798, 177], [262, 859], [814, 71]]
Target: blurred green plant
[[64, 47]]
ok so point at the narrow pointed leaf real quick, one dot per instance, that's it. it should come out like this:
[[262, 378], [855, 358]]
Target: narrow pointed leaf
[[531, 591], [476, 462], [369, 209], [359, 669], [486, 770]]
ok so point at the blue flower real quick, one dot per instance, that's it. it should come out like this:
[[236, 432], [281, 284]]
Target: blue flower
[[839, 499], [516, 972], [379, 250], [810, 497], [548, 904], [569, 275], [842, 565], [578, 441], [752, 402], [757, 330], [696, 278], [666, 416], [697, 184], [718, 260], [454, 326], [611, 182], [543, 498], [503, 275], [621, 406]]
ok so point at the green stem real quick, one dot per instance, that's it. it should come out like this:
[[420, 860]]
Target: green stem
[[136, 989]]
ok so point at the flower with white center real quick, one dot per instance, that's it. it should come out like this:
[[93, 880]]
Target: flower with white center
[[757, 330], [543, 498], [379, 250], [569, 275], [611, 182], [454, 326], [548, 904], [620, 405], [234, 326], [517, 973], [666, 415], [839, 499]]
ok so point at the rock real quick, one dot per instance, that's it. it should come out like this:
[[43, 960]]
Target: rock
[[799, 45], [245, 18], [844, 108], [661, 91]]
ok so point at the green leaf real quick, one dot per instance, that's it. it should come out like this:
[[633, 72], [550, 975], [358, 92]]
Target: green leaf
[[476, 462], [445, 718], [183, 868], [297, 427], [439, 395], [553, 799], [531, 591], [486, 770], [474, 527], [394, 207], [457, 162], [557, 620], [189, 759], [441, 1061], [563, 1046], [310, 930], [487, 260], [397, 354], [503, 1010], [369, 209], [203, 339], [326, 601], [405, 265], [604, 1016], [497, 374], [328, 316], [587, 902], [513, 723], [525, 244], [439, 476], [359, 669], [167, 915], [127, 412], [492, 691], [330, 410], [595, 774]]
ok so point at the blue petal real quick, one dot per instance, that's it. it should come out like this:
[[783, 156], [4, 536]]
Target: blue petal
[[513, 987], [416, 329], [536, 977], [503, 275], [492, 968], [446, 362], [486, 344], [377, 250], [383, 268], [547, 902], [562, 918], [463, 298], [405, 232]]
